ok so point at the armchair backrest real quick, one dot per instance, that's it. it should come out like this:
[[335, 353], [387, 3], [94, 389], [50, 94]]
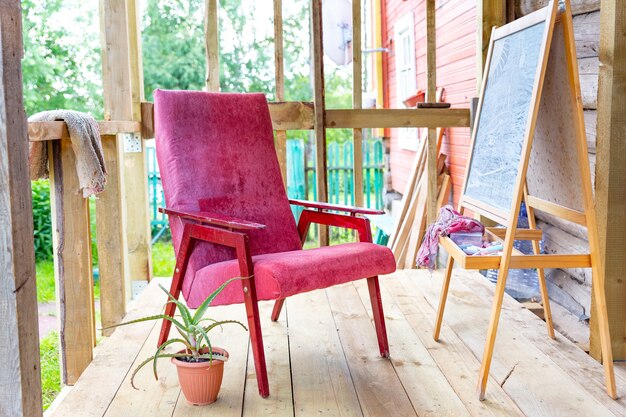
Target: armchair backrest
[[216, 153]]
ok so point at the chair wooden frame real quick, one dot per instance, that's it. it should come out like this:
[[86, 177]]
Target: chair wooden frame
[[231, 232]]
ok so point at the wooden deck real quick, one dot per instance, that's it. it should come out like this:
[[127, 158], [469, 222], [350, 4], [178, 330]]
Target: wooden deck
[[322, 360]]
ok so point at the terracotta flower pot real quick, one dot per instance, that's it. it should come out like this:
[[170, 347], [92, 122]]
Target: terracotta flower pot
[[201, 381]]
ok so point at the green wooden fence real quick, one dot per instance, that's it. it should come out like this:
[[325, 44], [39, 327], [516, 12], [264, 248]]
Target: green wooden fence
[[300, 177]]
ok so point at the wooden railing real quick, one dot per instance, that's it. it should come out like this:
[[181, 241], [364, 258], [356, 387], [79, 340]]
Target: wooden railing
[[72, 235]]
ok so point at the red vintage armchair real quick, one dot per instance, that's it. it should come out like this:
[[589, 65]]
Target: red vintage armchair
[[230, 216]]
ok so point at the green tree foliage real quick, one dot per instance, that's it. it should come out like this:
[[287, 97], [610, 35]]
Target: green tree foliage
[[42, 220], [173, 45], [174, 51], [61, 66]]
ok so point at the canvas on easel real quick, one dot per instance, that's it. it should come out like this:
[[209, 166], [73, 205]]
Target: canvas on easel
[[529, 126]]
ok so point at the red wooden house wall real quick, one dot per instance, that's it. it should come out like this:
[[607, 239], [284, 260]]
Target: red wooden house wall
[[456, 72]]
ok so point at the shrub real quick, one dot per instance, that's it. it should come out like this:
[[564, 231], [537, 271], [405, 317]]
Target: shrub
[[42, 220]]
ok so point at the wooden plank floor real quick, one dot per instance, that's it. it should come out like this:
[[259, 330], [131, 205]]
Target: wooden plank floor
[[322, 360]]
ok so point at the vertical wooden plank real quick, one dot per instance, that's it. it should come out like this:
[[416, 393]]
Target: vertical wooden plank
[[135, 183], [123, 92], [357, 100], [489, 13], [281, 135], [110, 237], [20, 381], [72, 262], [211, 42], [611, 173], [117, 101], [431, 96], [320, 107]]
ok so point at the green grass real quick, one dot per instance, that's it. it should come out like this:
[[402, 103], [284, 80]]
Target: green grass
[[45, 281], [163, 260], [50, 370]]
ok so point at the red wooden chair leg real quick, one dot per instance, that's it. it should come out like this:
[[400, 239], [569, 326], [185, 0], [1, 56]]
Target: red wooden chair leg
[[278, 306], [256, 337], [186, 246], [379, 316]]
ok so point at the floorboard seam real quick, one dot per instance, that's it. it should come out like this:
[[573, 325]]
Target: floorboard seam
[[129, 368], [343, 352]]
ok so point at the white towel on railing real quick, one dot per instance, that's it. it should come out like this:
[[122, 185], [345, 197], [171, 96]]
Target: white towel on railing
[[85, 138]]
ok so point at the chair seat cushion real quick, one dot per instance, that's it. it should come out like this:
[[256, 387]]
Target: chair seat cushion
[[279, 275]]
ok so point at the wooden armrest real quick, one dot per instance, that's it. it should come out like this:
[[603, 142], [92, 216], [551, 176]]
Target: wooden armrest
[[213, 219], [335, 207]]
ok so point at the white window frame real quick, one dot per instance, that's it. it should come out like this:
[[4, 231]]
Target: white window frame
[[406, 74]]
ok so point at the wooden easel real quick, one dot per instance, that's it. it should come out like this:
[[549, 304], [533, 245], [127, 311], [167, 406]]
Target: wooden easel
[[554, 137]]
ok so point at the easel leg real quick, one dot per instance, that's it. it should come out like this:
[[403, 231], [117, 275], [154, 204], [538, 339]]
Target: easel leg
[[545, 298], [491, 333], [443, 297], [597, 286]]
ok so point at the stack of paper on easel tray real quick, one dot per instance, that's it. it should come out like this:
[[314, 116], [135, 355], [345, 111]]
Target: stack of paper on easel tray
[[409, 228]]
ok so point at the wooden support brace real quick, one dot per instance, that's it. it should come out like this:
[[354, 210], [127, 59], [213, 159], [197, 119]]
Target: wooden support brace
[[357, 99], [123, 92], [72, 262], [320, 107], [611, 176], [431, 76], [281, 135], [20, 380], [111, 239]]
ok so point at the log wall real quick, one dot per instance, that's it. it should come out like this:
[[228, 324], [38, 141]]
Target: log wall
[[572, 288]]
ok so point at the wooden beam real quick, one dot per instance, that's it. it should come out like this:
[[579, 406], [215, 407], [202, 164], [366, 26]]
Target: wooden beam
[[123, 92], [357, 101], [524, 7], [43, 131], [611, 173], [20, 381], [390, 118], [489, 13], [557, 210], [320, 107], [288, 115], [72, 262], [211, 43], [431, 97], [520, 234]]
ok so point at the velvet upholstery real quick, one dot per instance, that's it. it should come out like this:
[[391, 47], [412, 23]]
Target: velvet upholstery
[[283, 274], [216, 153]]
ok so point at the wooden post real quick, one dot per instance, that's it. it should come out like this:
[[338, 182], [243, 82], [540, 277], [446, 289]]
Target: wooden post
[[357, 101], [431, 97], [611, 174], [320, 107], [110, 238], [281, 135], [72, 262], [211, 42], [123, 92], [489, 13], [20, 381]]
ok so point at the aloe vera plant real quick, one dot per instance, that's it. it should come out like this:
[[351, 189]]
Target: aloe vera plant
[[193, 329]]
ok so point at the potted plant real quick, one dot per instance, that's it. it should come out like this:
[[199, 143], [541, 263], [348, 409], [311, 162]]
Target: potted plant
[[200, 365]]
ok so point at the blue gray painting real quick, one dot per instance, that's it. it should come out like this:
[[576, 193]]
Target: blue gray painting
[[502, 121]]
